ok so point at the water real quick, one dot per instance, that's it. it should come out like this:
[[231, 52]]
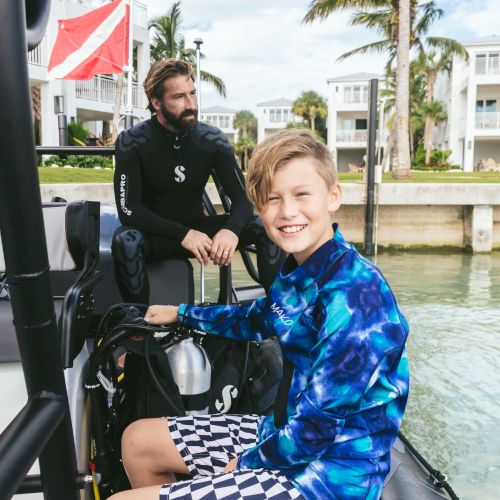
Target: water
[[452, 303]]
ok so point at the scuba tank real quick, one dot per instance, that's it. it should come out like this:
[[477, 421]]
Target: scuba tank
[[192, 372]]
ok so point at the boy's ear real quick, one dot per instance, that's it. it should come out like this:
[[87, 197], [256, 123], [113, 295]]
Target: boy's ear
[[335, 198]]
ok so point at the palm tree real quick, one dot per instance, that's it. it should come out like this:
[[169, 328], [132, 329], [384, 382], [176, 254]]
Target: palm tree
[[434, 113], [246, 124], [383, 17], [430, 64], [168, 43], [310, 105]]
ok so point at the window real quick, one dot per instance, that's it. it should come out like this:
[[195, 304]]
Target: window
[[486, 106], [226, 122], [488, 63], [272, 115], [356, 94]]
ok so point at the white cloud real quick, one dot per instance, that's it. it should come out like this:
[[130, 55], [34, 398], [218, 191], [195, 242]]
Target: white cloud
[[262, 50]]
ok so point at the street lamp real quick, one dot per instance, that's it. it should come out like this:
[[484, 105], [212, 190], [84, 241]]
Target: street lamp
[[198, 42], [61, 120]]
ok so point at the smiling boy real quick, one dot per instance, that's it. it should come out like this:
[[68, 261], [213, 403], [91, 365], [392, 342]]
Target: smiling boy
[[342, 335]]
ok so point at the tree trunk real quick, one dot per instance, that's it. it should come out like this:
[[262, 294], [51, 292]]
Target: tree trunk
[[429, 125], [429, 122], [245, 159], [313, 125], [118, 105], [402, 170]]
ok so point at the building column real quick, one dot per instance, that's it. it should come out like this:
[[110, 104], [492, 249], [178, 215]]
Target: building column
[[470, 127], [478, 228]]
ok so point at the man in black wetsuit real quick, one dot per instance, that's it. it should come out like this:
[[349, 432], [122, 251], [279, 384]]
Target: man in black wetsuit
[[162, 168]]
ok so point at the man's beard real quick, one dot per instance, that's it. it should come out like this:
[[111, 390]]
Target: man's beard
[[179, 122]]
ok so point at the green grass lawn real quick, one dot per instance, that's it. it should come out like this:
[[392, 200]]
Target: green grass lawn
[[73, 175], [86, 175], [441, 177]]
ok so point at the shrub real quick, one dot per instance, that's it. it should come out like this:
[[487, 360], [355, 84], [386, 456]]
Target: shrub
[[77, 161], [439, 159]]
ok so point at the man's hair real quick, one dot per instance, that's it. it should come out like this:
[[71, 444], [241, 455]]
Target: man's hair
[[161, 71], [276, 151]]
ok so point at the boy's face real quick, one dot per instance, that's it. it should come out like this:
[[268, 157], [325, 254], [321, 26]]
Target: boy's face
[[297, 213]]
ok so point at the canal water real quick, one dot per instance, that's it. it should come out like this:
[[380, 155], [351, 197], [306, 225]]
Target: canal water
[[452, 303]]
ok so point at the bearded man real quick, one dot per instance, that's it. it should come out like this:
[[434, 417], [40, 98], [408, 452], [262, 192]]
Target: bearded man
[[162, 167]]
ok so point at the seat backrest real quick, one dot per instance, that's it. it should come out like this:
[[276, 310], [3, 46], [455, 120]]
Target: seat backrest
[[171, 281], [65, 259]]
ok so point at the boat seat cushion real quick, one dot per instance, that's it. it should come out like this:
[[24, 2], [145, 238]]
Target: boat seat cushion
[[54, 218]]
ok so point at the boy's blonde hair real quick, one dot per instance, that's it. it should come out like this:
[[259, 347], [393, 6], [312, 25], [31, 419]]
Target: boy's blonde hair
[[276, 151]]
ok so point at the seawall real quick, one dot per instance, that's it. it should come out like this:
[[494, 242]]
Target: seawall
[[409, 215]]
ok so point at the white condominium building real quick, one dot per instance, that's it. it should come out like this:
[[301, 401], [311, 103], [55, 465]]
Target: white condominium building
[[222, 118], [471, 94], [348, 119], [90, 102], [273, 116]]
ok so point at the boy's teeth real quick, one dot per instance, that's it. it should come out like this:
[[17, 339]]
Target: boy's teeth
[[291, 229]]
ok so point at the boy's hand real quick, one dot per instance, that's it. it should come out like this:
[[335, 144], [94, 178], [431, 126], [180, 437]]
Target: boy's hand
[[231, 465], [199, 244], [223, 247], [161, 315]]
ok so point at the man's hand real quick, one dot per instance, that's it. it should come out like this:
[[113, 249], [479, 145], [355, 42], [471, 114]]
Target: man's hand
[[223, 247], [199, 244], [231, 465], [161, 315]]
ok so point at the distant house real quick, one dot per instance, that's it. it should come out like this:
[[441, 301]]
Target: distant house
[[90, 102], [222, 118], [348, 118], [471, 95], [273, 116]]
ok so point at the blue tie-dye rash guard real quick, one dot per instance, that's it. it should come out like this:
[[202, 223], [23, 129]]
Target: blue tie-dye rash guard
[[338, 322]]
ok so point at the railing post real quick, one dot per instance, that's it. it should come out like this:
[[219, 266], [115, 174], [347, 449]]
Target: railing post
[[25, 248]]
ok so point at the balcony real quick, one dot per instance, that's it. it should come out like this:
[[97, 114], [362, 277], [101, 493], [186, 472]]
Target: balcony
[[352, 136], [488, 121], [38, 56], [103, 89]]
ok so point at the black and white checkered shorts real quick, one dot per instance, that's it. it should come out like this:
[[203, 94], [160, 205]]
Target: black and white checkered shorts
[[207, 443]]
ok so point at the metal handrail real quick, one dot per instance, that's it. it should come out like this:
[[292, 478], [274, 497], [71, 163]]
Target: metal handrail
[[46, 415]]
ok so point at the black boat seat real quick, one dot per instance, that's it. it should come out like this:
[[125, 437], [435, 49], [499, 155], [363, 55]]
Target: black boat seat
[[171, 281], [63, 272]]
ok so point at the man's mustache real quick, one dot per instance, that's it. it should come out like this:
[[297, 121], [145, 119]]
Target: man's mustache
[[188, 112]]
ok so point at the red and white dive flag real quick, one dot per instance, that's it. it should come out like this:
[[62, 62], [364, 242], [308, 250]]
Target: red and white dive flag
[[91, 44]]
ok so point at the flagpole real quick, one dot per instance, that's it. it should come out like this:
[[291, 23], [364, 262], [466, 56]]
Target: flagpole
[[129, 119], [198, 42]]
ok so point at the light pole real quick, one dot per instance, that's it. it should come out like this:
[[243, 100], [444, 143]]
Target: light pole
[[198, 42]]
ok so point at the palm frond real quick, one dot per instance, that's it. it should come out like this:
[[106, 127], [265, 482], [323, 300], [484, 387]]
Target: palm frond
[[379, 46], [215, 81], [321, 9], [448, 46]]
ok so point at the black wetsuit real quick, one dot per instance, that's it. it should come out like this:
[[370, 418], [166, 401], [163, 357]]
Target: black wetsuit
[[159, 182]]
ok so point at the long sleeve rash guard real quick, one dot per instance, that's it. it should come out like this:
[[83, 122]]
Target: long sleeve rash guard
[[338, 322], [160, 178]]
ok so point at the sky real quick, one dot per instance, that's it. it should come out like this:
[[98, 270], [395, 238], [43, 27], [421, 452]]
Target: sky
[[263, 51]]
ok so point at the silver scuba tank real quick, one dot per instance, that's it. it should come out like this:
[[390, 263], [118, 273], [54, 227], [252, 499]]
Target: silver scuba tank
[[192, 373]]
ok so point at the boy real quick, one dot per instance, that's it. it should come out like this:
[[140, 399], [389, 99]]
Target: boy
[[342, 337]]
